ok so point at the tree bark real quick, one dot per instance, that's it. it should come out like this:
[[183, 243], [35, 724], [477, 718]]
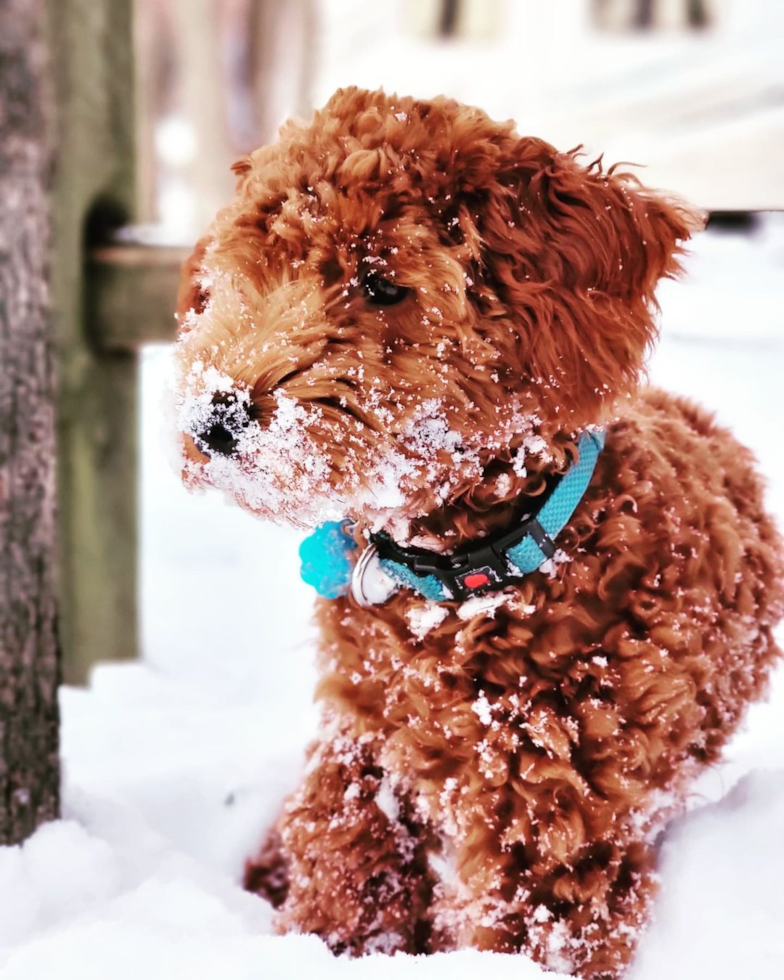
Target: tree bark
[[29, 654]]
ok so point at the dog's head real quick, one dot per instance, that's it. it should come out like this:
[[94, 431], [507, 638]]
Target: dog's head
[[400, 292]]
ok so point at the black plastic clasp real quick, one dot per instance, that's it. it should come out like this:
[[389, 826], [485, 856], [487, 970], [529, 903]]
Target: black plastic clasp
[[483, 561], [461, 573]]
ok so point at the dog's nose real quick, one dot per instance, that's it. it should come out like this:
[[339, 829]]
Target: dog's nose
[[217, 439], [229, 416]]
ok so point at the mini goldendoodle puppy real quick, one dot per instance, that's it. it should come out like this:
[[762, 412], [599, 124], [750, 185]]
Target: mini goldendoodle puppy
[[549, 592]]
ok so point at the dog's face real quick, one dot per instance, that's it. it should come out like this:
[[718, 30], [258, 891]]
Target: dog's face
[[400, 293]]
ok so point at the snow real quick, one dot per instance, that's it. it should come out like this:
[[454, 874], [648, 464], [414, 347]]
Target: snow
[[283, 469], [278, 468], [719, 914], [424, 617], [484, 605], [175, 765], [481, 708], [101, 894]]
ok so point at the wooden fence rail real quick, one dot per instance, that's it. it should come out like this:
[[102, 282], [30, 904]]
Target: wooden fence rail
[[132, 294]]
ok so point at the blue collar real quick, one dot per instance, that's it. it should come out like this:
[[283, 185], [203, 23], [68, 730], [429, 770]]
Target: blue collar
[[488, 564]]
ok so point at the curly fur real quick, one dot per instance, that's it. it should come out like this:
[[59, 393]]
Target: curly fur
[[494, 775]]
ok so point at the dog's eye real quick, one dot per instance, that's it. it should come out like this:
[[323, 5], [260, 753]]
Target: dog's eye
[[382, 291]]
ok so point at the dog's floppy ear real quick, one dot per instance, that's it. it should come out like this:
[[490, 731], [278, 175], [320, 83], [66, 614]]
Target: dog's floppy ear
[[191, 293], [571, 255]]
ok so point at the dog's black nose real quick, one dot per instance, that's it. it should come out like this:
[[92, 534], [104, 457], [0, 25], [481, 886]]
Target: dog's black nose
[[218, 439], [229, 417]]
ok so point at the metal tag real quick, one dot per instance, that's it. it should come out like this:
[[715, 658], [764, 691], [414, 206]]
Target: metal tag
[[370, 584]]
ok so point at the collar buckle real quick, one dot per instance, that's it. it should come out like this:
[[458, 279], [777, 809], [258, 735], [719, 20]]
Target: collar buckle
[[462, 575]]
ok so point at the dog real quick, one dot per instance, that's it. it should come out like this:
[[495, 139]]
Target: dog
[[550, 589]]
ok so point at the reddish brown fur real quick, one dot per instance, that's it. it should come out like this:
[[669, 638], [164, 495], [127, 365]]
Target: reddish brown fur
[[533, 753]]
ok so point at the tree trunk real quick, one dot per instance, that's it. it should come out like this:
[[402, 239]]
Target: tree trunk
[[29, 775]]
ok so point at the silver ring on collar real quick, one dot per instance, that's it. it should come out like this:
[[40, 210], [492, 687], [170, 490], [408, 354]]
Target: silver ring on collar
[[370, 584]]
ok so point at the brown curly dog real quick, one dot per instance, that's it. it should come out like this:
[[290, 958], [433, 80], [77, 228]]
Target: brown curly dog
[[408, 316]]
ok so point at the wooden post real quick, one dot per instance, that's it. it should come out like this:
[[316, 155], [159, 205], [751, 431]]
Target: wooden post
[[29, 776], [91, 43]]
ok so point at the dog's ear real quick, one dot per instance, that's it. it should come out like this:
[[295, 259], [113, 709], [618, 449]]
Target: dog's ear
[[192, 294], [571, 255]]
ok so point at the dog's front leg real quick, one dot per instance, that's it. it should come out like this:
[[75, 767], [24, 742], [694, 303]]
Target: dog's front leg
[[355, 863], [582, 918]]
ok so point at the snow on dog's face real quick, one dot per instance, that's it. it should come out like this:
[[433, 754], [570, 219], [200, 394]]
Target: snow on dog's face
[[401, 292]]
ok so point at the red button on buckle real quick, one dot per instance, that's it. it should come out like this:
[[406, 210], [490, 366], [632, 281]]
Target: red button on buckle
[[475, 580]]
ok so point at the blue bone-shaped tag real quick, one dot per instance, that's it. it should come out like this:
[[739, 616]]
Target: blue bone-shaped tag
[[326, 559]]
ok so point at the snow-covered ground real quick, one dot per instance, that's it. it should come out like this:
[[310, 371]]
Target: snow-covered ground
[[174, 765]]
